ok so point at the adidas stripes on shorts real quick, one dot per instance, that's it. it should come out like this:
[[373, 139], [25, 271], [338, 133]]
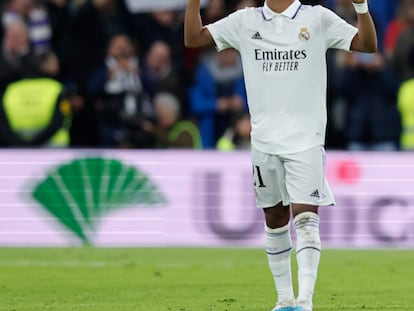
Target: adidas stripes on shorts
[[291, 178]]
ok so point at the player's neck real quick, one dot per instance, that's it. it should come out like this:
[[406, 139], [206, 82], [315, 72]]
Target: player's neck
[[279, 6]]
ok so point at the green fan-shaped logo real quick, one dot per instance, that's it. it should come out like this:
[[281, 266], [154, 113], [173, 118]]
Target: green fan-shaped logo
[[79, 193]]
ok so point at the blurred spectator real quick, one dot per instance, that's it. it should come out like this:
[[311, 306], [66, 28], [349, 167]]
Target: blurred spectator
[[48, 65], [36, 111], [161, 25], [16, 59], [119, 98], [337, 61], [91, 26], [217, 94], [382, 10], [214, 10], [59, 17], [158, 73], [404, 55], [406, 107], [79, 32], [370, 89], [170, 131], [36, 18], [403, 20], [236, 137]]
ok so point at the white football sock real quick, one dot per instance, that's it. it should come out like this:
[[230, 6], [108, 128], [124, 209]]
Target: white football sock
[[308, 252], [278, 248]]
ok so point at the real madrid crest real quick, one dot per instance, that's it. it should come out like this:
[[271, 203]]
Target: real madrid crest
[[304, 34]]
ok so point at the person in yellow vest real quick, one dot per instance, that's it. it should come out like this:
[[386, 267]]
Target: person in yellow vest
[[35, 112], [169, 130], [406, 107], [237, 136]]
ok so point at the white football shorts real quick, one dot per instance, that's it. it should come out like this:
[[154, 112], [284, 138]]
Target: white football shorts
[[291, 178]]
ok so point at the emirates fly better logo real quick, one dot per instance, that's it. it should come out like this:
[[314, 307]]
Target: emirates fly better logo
[[81, 192]]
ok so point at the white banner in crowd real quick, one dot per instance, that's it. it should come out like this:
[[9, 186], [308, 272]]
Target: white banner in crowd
[[136, 6], [183, 198]]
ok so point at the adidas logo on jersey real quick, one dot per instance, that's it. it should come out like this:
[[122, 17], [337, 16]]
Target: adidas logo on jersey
[[257, 36], [315, 194]]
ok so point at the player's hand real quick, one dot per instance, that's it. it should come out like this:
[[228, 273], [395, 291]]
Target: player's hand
[[358, 1]]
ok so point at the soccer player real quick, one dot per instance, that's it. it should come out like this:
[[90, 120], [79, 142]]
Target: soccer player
[[283, 48]]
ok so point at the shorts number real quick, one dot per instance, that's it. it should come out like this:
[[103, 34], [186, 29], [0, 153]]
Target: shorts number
[[258, 180]]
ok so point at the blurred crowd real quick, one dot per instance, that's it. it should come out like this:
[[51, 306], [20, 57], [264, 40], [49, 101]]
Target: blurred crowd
[[96, 74]]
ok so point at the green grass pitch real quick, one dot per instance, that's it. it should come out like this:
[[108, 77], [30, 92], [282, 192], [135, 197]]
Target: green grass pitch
[[187, 279]]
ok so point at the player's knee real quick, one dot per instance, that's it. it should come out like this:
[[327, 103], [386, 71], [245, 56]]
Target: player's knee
[[277, 216], [298, 209]]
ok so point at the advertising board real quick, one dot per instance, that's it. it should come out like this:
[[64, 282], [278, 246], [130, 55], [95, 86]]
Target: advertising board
[[113, 198]]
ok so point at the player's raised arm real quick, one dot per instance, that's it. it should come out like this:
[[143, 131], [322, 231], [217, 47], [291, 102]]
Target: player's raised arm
[[195, 35], [366, 38]]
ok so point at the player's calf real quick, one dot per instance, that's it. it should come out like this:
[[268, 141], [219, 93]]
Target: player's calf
[[308, 249]]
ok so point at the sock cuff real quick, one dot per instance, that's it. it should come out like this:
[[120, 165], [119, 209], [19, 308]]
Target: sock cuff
[[277, 231], [278, 241], [306, 218]]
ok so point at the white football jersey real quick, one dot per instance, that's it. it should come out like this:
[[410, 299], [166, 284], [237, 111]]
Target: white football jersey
[[284, 63]]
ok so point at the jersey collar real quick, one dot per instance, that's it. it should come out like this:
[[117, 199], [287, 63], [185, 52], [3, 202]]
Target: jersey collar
[[290, 12]]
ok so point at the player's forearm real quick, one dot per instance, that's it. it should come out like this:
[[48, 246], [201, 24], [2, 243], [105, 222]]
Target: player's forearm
[[192, 23], [367, 34], [195, 35], [366, 40]]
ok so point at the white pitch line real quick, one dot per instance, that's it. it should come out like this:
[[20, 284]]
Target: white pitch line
[[106, 264]]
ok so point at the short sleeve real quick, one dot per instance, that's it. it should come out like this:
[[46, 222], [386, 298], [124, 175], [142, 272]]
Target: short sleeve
[[337, 32], [227, 31]]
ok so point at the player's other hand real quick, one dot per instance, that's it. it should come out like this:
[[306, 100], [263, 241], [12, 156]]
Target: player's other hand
[[358, 1]]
